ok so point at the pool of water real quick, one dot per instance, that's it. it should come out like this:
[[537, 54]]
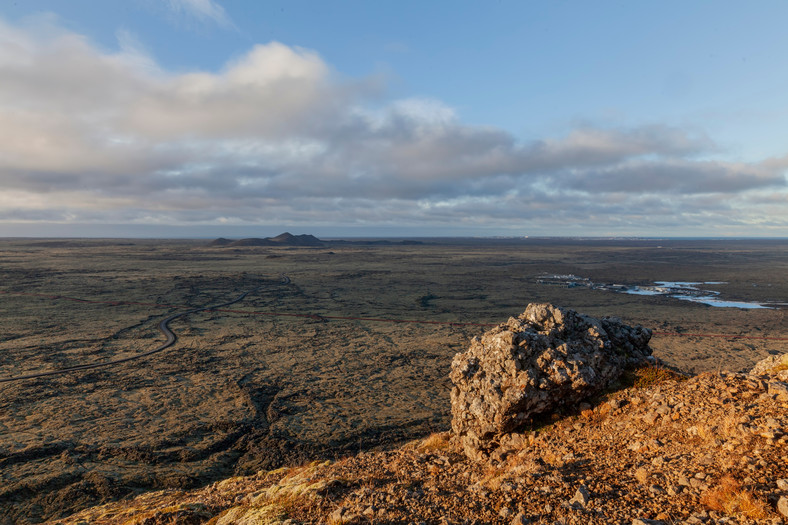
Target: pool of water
[[689, 291]]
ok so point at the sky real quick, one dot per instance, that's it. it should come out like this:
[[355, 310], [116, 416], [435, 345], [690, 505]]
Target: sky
[[206, 118]]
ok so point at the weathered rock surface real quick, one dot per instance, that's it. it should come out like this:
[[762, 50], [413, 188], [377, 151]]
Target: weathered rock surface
[[774, 365], [782, 506], [774, 371], [546, 358]]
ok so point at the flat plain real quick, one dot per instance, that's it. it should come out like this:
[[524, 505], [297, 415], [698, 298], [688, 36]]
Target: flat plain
[[320, 364]]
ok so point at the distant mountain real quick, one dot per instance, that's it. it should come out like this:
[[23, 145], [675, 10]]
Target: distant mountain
[[296, 240], [283, 239], [221, 241], [288, 239]]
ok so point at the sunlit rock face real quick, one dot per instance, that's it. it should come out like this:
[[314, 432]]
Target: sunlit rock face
[[545, 358], [774, 371], [774, 365]]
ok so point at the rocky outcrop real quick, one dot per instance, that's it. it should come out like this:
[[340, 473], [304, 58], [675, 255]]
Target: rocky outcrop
[[774, 370], [774, 365], [546, 358]]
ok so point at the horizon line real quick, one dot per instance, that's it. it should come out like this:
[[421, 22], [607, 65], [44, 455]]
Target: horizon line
[[414, 237]]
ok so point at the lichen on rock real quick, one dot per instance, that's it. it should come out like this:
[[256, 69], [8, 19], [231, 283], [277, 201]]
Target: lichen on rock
[[532, 364]]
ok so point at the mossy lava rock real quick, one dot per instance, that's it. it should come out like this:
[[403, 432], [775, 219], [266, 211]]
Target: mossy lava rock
[[546, 358]]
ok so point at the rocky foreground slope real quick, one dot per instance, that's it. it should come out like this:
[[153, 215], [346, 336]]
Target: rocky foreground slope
[[653, 446]]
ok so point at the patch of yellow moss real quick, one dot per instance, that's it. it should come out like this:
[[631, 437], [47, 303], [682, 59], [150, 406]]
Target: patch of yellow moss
[[271, 506], [173, 513]]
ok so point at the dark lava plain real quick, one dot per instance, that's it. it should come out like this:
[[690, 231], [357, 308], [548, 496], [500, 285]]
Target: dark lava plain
[[256, 387]]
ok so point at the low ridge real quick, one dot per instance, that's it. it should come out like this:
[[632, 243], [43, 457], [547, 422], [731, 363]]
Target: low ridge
[[283, 239]]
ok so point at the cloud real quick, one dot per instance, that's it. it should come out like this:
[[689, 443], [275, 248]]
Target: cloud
[[277, 136], [273, 91], [676, 176], [203, 10]]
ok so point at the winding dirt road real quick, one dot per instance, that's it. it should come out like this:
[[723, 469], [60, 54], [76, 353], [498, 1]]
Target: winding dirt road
[[163, 327]]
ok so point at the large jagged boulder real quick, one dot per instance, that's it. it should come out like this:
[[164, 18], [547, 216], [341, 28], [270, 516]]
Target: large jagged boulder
[[546, 358]]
